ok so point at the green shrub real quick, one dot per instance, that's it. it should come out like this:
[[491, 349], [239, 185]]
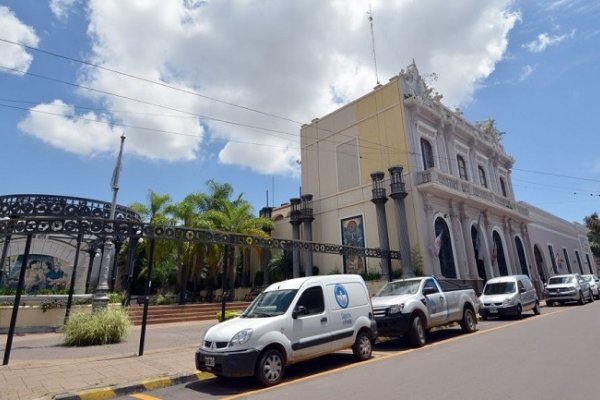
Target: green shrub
[[162, 299], [105, 326], [46, 305], [115, 297], [417, 261], [228, 315], [371, 276]]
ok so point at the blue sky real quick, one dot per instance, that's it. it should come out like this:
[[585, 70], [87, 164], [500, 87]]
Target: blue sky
[[219, 89]]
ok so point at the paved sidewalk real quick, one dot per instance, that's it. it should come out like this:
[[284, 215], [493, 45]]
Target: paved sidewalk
[[41, 367]]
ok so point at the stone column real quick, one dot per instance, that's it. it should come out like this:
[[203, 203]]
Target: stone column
[[510, 247], [379, 199], [492, 268], [307, 219], [466, 233], [456, 228], [430, 235], [398, 194], [295, 220]]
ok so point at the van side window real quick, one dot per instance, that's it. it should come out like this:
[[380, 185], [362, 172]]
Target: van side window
[[430, 284], [312, 300]]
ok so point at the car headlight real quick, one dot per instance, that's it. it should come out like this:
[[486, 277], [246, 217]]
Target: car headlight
[[241, 337], [509, 301], [396, 308]]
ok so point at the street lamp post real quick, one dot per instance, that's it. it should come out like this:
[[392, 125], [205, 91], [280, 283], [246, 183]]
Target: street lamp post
[[100, 299]]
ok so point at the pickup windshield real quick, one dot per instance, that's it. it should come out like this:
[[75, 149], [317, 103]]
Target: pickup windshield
[[270, 304], [561, 279], [399, 288], [499, 288]]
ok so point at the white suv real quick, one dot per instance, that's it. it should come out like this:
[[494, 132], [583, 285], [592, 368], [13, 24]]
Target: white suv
[[568, 287]]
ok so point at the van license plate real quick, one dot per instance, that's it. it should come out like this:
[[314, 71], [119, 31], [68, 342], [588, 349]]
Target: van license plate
[[209, 361]]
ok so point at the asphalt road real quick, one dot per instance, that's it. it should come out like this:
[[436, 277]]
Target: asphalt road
[[552, 356]]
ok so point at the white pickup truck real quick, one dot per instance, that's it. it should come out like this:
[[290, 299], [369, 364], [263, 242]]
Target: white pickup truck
[[413, 306]]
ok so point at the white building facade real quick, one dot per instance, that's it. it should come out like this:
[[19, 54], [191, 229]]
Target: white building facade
[[396, 169]]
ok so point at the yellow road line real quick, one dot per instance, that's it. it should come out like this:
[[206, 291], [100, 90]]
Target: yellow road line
[[142, 396], [383, 357]]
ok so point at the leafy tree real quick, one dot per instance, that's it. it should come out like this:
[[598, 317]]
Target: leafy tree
[[592, 222]]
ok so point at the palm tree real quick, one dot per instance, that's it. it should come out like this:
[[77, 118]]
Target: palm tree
[[187, 213], [155, 213], [236, 217]]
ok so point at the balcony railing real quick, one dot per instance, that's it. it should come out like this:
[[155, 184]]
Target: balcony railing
[[435, 176]]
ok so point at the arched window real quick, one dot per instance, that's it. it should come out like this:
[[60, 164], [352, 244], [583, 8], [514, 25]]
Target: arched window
[[521, 254], [443, 245], [553, 257], [566, 254], [539, 262], [503, 187], [482, 178], [476, 239], [462, 167], [498, 254], [427, 152], [578, 257]]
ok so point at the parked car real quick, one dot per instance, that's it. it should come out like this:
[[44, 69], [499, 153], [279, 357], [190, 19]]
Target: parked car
[[569, 287], [594, 283], [291, 321], [508, 295], [413, 306]]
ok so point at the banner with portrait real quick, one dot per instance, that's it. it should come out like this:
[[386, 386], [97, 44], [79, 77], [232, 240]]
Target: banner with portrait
[[353, 234]]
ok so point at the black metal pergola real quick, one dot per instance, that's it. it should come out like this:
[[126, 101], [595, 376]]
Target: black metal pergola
[[82, 221]]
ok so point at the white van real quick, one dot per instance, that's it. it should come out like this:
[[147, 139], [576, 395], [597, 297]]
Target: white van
[[508, 295], [291, 321]]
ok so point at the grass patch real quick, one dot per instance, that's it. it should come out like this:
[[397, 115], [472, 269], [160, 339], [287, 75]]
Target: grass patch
[[101, 327]]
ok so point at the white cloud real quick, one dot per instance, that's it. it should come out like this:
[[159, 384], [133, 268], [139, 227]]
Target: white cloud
[[544, 41], [61, 8], [57, 124], [292, 59], [13, 56], [526, 72]]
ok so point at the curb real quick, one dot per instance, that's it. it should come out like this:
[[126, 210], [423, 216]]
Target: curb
[[110, 392]]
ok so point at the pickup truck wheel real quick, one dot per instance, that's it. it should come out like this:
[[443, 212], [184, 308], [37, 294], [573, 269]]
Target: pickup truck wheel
[[363, 346], [468, 322], [416, 333], [270, 367], [536, 309]]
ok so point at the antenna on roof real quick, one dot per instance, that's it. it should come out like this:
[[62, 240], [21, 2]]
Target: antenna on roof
[[370, 13]]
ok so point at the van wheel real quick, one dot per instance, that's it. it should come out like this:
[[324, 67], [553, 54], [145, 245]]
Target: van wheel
[[270, 367], [416, 333], [536, 309], [468, 323], [363, 346], [519, 312]]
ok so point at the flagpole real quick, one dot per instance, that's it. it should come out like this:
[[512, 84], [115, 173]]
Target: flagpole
[[100, 299]]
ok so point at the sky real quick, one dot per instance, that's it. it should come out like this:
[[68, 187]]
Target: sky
[[219, 89]]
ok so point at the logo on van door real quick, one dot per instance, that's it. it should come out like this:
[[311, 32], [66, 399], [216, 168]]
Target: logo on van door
[[341, 295]]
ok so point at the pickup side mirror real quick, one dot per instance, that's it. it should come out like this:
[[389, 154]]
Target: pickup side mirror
[[300, 310], [429, 290]]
